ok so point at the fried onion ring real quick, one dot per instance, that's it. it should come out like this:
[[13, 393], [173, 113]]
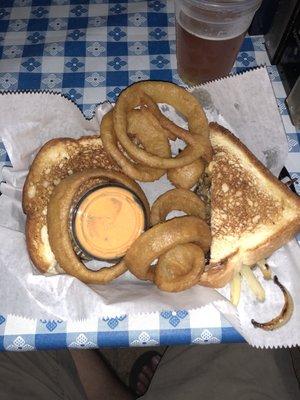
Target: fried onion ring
[[176, 199], [58, 218], [188, 176], [133, 170], [179, 268], [173, 130], [163, 237], [167, 124], [144, 125], [215, 276], [219, 275], [198, 144]]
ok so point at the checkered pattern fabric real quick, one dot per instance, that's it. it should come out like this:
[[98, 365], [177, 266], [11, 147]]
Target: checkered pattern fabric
[[169, 327], [90, 50]]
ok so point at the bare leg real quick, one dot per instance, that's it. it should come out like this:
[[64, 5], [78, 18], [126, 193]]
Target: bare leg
[[98, 380]]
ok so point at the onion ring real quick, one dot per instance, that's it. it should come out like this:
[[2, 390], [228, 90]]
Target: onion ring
[[134, 171], [169, 125], [179, 268], [176, 199], [198, 138], [188, 176], [285, 314], [162, 119], [58, 215], [144, 125], [163, 237], [219, 275]]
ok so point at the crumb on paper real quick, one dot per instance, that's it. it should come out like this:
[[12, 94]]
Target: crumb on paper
[[204, 98], [271, 157]]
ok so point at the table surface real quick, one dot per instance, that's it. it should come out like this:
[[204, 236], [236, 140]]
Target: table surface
[[90, 51]]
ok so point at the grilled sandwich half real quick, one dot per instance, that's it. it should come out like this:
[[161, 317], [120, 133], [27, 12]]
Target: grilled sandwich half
[[252, 213], [57, 159]]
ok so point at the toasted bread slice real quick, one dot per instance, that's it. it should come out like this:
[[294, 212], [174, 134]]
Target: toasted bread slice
[[57, 159], [252, 213]]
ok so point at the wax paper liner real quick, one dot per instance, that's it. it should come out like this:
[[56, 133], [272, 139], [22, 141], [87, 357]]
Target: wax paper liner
[[41, 116]]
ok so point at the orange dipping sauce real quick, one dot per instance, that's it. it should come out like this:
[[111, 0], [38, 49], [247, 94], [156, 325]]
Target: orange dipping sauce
[[108, 220]]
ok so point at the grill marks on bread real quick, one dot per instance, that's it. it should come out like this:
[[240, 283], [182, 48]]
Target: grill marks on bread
[[57, 159], [239, 201], [253, 214], [60, 160]]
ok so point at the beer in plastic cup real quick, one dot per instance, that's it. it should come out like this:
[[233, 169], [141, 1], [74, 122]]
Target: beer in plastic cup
[[209, 35]]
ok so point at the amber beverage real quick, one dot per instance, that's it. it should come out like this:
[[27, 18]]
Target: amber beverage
[[209, 35], [202, 59]]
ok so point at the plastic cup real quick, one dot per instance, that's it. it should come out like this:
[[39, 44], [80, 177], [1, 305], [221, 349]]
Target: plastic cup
[[209, 35]]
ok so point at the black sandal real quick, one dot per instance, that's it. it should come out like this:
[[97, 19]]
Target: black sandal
[[137, 368]]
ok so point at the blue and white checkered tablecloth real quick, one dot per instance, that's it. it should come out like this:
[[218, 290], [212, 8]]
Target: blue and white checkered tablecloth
[[90, 50]]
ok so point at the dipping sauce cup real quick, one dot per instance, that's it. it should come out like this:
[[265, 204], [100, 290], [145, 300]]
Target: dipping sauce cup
[[105, 221]]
